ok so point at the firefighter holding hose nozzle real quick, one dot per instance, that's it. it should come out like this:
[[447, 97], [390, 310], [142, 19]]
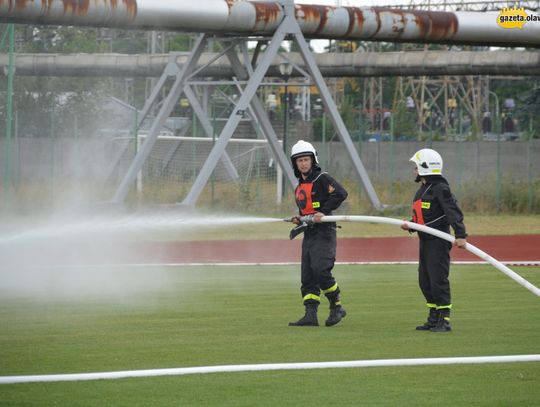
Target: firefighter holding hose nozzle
[[317, 195], [435, 206]]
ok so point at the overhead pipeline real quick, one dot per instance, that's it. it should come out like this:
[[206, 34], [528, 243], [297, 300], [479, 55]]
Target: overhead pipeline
[[251, 17], [357, 64]]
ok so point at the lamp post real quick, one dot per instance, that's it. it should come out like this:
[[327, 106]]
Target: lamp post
[[498, 130], [9, 71], [497, 126], [285, 68]]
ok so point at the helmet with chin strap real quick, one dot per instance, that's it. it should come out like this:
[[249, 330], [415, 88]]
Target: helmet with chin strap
[[428, 162]]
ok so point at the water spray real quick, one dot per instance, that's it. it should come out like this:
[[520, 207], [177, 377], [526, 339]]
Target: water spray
[[306, 221], [108, 226]]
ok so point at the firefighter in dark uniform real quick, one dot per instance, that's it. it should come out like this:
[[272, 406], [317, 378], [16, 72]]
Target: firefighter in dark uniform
[[435, 206], [317, 194]]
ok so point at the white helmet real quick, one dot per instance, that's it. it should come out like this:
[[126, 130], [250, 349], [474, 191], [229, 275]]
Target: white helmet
[[428, 162], [303, 148]]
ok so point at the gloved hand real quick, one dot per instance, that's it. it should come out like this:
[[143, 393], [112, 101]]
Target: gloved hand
[[406, 227]]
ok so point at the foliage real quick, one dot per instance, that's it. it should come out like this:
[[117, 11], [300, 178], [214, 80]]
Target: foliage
[[57, 39], [178, 42], [61, 106], [530, 109], [75, 106], [60, 39], [404, 121], [526, 94], [348, 114]]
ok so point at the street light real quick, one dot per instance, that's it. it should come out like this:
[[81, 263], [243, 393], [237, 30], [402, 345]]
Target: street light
[[498, 129], [285, 68], [497, 126]]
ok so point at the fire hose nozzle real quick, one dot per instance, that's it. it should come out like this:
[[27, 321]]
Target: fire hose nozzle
[[308, 219]]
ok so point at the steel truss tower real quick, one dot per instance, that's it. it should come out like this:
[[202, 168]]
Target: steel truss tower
[[248, 79]]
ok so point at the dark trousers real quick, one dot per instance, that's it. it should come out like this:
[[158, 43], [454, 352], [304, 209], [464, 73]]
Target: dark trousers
[[433, 271], [318, 258]]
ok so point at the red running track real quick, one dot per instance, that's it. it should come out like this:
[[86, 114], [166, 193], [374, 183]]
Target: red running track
[[390, 249], [518, 248]]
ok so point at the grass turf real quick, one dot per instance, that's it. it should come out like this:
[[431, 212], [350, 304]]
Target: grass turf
[[196, 316]]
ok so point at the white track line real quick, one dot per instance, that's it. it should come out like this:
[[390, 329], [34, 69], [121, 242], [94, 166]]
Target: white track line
[[291, 263], [267, 367]]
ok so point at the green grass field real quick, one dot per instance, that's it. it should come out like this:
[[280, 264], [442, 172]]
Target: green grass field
[[151, 318]]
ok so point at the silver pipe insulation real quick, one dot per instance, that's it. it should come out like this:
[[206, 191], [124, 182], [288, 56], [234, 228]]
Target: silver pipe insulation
[[445, 236], [358, 64], [252, 17]]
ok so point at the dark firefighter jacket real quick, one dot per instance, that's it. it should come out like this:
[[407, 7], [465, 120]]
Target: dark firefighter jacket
[[319, 192], [435, 206]]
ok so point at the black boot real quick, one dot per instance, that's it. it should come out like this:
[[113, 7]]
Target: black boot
[[337, 313], [432, 319], [310, 317], [443, 323]]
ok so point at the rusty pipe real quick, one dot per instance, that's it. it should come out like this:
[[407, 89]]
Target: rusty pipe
[[250, 17], [357, 64]]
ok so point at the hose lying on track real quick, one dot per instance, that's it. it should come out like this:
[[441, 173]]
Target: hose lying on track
[[426, 229]]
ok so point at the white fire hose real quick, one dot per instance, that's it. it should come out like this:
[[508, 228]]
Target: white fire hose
[[426, 229]]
